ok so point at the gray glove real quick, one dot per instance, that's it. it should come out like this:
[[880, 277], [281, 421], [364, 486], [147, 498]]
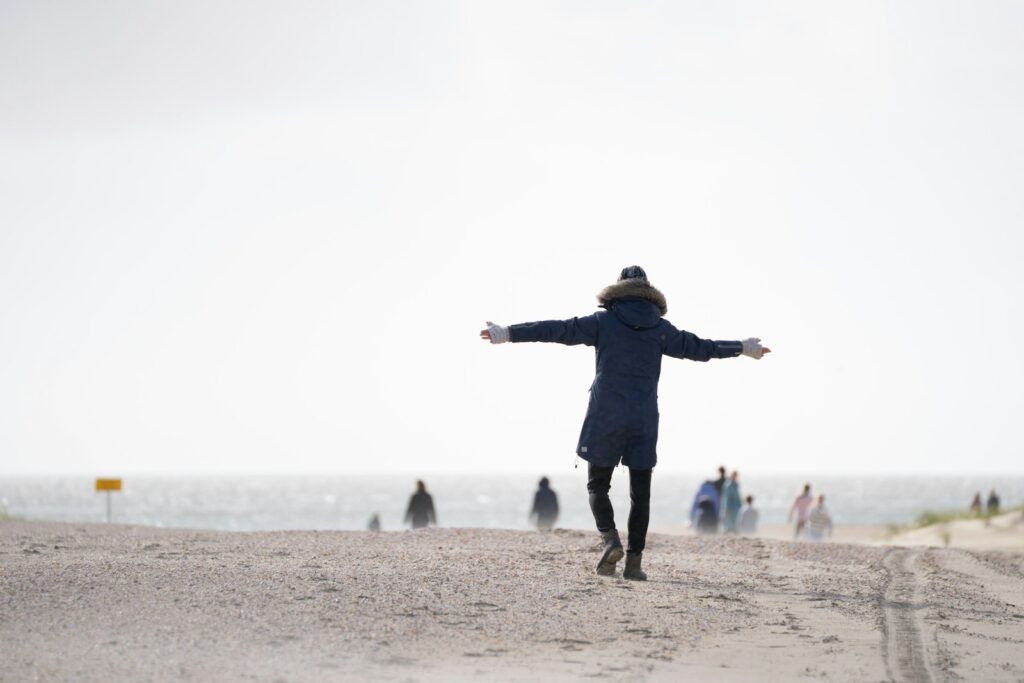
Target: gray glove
[[752, 347], [499, 334]]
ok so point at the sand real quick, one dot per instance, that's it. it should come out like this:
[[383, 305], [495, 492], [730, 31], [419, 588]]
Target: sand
[[81, 602]]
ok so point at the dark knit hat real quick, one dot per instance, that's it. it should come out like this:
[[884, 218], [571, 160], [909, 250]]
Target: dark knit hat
[[633, 273]]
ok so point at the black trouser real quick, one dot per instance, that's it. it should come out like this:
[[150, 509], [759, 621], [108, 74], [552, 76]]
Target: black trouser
[[599, 480]]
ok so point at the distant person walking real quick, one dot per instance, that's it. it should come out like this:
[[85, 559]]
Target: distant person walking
[[421, 508], [976, 505], [630, 337], [731, 504], [819, 523], [374, 524], [748, 518], [545, 506], [992, 504], [801, 508]]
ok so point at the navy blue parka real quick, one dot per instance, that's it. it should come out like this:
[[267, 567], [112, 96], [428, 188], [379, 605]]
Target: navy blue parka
[[630, 337]]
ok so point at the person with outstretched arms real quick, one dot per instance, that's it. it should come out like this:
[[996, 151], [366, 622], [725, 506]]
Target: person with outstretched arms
[[630, 337]]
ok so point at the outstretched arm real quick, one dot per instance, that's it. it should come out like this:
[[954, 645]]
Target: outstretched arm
[[569, 332], [683, 344]]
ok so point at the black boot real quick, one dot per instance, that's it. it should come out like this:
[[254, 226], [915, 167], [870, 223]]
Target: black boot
[[612, 553], [632, 570]]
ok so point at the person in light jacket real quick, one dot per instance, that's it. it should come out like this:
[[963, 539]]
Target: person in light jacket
[[748, 518], [819, 522], [731, 504]]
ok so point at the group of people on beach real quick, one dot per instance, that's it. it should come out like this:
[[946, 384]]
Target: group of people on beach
[[812, 519], [718, 506], [991, 505], [420, 512]]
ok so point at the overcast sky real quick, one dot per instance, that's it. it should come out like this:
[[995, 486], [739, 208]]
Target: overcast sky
[[261, 237]]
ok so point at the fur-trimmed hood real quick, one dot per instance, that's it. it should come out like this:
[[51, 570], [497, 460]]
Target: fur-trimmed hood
[[632, 289]]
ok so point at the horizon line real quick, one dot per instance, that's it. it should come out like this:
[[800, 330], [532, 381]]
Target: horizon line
[[477, 473]]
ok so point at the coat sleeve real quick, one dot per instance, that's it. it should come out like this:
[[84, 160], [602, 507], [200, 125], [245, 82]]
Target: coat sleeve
[[683, 344], [569, 332]]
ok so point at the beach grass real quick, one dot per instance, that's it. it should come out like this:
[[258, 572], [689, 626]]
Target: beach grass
[[936, 517]]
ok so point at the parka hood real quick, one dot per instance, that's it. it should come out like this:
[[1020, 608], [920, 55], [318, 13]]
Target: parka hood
[[638, 314], [632, 289]]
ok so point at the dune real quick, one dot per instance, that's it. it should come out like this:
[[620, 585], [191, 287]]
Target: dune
[[1003, 532], [85, 602]]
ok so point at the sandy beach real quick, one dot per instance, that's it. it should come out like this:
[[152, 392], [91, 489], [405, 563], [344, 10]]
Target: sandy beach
[[81, 602]]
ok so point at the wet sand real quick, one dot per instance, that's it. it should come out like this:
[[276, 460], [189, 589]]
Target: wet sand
[[81, 602]]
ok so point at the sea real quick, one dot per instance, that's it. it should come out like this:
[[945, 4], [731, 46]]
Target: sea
[[266, 503]]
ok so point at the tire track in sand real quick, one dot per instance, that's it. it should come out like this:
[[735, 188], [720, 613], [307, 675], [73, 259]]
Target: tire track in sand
[[905, 656]]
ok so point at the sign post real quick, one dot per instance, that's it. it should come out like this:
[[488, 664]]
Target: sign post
[[108, 485]]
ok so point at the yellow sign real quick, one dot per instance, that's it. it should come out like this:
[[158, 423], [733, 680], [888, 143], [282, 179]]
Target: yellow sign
[[108, 484]]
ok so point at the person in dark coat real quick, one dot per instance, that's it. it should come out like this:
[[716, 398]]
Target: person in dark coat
[[630, 337], [421, 508], [704, 511], [720, 482], [992, 504], [545, 506]]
